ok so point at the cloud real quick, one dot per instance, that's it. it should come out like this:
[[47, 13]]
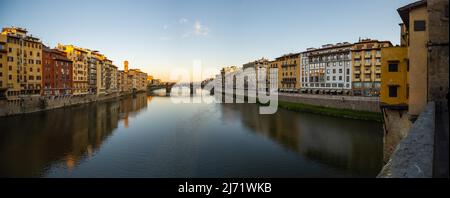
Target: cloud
[[185, 35], [165, 38], [195, 29], [200, 30], [182, 21]]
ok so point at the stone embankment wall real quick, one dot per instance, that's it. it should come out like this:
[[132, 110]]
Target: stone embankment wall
[[370, 104], [30, 104], [413, 156], [396, 127], [355, 103]]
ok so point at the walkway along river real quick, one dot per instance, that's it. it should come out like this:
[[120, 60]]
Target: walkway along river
[[149, 136]]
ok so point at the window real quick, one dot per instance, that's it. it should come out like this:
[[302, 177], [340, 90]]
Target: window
[[446, 11], [1, 74], [393, 67], [10, 59], [348, 79], [340, 77], [407, 65], [419, 25], [348, 71], [407, 91], [340, 71], [392, 91]]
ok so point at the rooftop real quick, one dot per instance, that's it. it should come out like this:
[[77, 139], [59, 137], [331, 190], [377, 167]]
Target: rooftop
[[404, 11]]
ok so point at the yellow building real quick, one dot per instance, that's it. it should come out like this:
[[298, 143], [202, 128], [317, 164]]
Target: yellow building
[[20, 63], [288, 72], [415, 19], [395, 77], [366, 62], [79, 56], [415, 72], [139, 79], [3, 67]]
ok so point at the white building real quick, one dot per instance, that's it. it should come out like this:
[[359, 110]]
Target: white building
[[327, 69]]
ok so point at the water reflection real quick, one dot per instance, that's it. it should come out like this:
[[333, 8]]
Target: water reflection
[[29, 144], [342, 144], [147, 136]]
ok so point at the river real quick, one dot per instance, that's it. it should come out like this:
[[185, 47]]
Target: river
[[149, 136]]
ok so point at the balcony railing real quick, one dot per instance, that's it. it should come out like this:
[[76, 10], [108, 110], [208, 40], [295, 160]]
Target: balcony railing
[[357, 64], [357, 71], [367, 71]]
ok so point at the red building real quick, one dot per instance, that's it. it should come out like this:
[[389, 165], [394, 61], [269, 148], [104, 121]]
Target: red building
[[57, 73]]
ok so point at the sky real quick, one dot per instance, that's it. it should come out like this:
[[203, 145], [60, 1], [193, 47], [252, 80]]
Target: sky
[[158, 36]]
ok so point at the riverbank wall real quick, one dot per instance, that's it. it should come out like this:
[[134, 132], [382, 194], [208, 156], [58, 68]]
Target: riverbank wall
[[31, 104], [355, 107], [356, 103], [413, 156]]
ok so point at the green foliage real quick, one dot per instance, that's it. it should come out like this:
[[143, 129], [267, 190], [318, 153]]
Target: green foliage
[[347, 113]]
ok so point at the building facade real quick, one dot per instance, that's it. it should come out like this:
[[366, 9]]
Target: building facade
[[57, 73], [138, 79], [395, 77], [288, 72], [79, 57], [21, 63], [259, 78], [415, 19], [273, 77], [366, 61], [327, 70]]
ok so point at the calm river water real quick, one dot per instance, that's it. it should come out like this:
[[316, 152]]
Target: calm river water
[[149, 136]]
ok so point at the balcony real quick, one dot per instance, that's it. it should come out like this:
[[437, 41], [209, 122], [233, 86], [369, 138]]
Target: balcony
[[367, 80], [366, 56], [357, 80], [378, 63], [368, 64], [357, 64], [378, 71], [378, 55], [367, 71], [357, 71], [357, 56]]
